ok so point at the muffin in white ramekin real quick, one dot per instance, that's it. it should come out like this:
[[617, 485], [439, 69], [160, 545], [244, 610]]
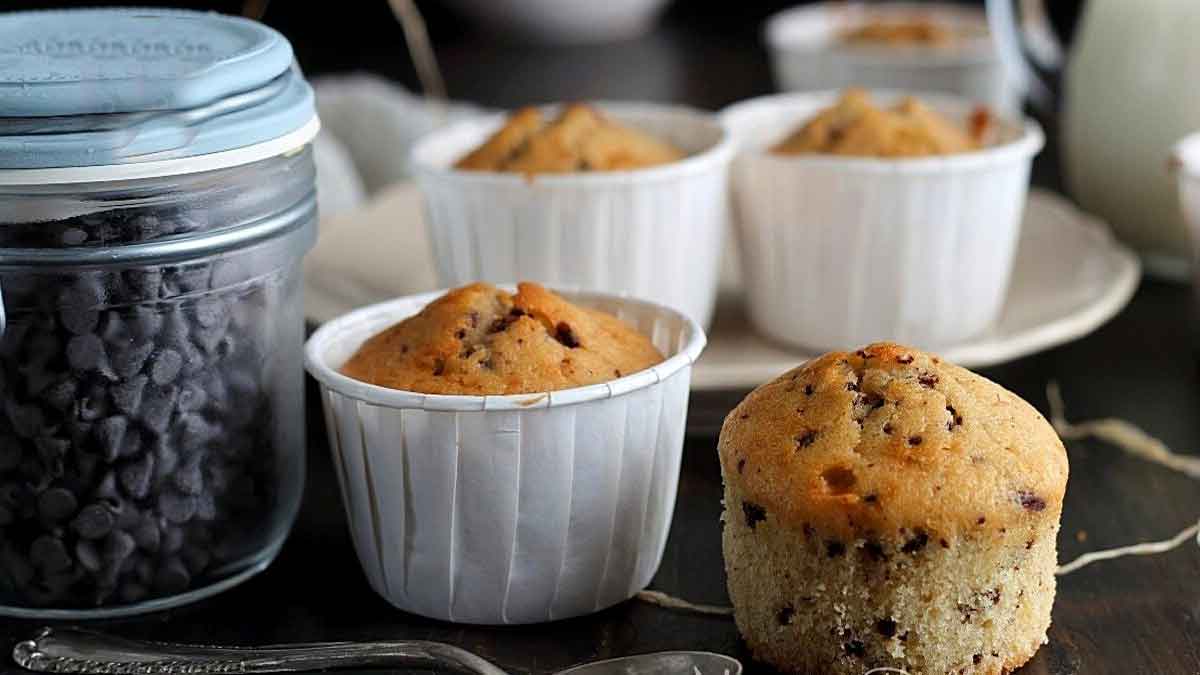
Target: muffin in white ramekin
[[654, 233], [509, 509], [841, 250], [808, 53]]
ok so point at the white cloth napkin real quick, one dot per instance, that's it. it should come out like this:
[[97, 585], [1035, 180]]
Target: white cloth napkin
[[372, 244]]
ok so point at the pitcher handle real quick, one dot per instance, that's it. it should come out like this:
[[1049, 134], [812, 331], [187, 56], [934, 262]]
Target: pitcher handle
[[1028, 48]]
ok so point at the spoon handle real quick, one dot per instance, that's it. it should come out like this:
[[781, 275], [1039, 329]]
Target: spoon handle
[[56, 650]]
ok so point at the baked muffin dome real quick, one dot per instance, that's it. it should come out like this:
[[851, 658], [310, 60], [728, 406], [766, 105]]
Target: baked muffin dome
[[885, 508], [855, 126], [479, 340], [580, 139]]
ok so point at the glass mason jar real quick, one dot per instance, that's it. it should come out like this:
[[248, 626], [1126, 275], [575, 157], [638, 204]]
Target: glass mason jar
[[151, 385]]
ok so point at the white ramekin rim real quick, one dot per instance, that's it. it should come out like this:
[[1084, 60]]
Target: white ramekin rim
[[1024, 147], [317, 365], [1185, 156], [715, 155], [972, 51]]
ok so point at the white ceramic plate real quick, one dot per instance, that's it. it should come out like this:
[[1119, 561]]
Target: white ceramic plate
[[1071, 276]]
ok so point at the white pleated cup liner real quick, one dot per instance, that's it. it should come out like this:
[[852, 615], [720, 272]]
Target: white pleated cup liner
[[653, 233], [509, 509], [1187, 169], [841, 251], [807, 53]]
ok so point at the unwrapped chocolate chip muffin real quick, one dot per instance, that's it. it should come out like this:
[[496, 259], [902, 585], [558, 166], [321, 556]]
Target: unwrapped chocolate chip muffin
[[884, 508], [480, 340], [581, 138]]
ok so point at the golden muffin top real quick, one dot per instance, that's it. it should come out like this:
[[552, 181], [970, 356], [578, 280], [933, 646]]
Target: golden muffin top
[[894, 32], [888, 438], [480, 340], [856, 126], [581, 138]]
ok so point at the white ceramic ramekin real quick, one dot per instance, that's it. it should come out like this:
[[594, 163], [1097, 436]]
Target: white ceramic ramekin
[[509, 509], [652, 233], [807, 54], [839, 251], [1186, 164]]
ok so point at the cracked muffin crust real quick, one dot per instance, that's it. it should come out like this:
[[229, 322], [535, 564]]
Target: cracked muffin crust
[[855, 126], [480, 340], [915, 31], [580, 139], [885, 508]]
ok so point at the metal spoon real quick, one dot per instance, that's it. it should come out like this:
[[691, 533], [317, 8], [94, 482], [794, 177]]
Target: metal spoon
[[65, 650]]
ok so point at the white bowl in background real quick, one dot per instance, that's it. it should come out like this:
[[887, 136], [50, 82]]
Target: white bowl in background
[[807, 53], [654, 233], [841, 251], [564, 21], [508, 509]]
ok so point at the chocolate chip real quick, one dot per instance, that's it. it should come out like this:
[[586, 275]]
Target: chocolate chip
[[165, 367], [93, 522], [980, 520], [904, 358], [741, 465], [87, 555], [118, 546], [886, 628], [977, 659], [806, 439], [917, 543], [754, 514], [57, 504], [855, 648], [852, 386], [49, 554], [927, 380], [944, 543], [835, 549], [873, 550], [172, 577], [955, 418], [1030, 501], [887, 428], [785, 615], [563, 333], [808, 390], [915, 440], [439, 366]]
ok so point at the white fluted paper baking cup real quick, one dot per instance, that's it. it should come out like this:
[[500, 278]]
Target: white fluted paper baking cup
[[509, 509], [652, 233], [807, 54], [840, 251]]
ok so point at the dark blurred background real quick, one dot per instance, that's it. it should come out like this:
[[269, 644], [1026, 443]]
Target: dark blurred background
[[703, 52]]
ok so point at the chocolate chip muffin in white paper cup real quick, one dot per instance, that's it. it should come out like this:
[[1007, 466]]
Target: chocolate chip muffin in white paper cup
[[840, 250], [509, 509], [654, 233], [809, 50]]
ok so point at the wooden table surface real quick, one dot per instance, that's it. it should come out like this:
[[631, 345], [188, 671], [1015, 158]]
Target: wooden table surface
[[1128, 616]]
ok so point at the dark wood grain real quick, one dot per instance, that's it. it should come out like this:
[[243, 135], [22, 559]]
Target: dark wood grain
[[1128, 616]]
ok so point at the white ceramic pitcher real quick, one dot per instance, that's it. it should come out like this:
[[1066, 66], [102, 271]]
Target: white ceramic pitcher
[[1131, 91]]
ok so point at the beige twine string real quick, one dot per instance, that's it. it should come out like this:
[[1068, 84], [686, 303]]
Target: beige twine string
[[1138, 443]]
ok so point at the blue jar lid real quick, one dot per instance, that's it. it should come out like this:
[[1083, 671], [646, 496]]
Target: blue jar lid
[[101, 87]]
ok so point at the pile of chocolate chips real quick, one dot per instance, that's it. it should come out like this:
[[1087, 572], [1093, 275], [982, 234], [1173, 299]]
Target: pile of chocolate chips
[[137, 449]]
